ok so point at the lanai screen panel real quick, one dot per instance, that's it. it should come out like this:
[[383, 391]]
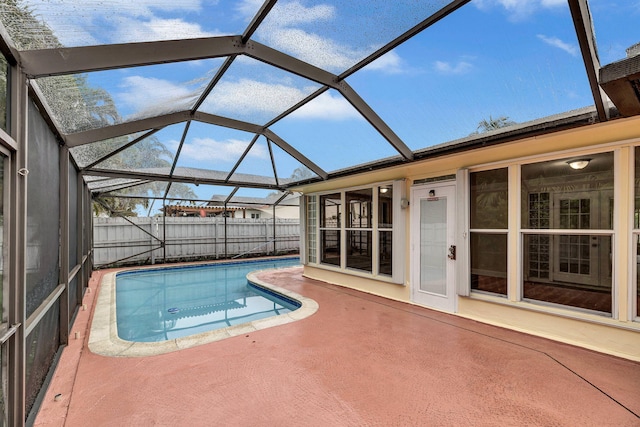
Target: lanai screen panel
[[208, 146], [616, 28], [87, 154], [255, 92], [333, 134], [337, 35], [94, 22], [516, 68], [153, 151], [87, 101]]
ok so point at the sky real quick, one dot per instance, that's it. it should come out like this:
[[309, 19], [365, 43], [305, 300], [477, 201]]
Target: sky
[[491, 58]]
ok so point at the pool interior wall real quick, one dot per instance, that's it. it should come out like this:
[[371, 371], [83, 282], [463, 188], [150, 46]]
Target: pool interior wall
[[104, 338]]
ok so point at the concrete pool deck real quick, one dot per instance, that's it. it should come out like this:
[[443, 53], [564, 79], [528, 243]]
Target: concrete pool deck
[[360, 360]]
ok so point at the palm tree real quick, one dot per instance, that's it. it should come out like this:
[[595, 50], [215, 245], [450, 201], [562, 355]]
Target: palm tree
[[493, 124]]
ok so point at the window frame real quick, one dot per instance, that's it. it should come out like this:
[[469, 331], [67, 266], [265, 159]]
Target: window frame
[[556, 233], [397, 231], [489, 231]]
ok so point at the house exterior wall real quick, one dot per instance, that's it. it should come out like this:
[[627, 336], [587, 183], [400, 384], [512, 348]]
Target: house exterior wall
[[284, 212], [618, 333]]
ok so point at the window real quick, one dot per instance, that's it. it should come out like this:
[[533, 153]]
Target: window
[[4, 100], [567, 232], [489, 227], [4, 289], [3, 185], [636, 232], [255, 216], [312, 228], [330, 206], [358, 230], [385, 229]]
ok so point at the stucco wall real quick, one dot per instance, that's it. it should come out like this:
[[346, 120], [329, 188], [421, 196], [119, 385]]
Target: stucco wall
[[618, 334]]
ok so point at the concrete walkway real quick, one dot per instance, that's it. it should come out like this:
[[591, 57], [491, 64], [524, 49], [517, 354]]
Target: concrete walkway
[[360, 360]]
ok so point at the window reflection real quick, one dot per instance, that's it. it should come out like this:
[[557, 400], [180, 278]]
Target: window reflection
[[359, 242], [385, 207], [359, 204], [489, 262], [330, 205], [489, 211], [359, 249], [385, 227], [489, 199], [571, 269]]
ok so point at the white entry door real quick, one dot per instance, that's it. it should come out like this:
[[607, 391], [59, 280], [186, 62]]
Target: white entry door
[[433, 246]]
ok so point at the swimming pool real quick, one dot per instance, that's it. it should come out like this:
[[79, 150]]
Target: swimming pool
[[168, 303], [173, 317]]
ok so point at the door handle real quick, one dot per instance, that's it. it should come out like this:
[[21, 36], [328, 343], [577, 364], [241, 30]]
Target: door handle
[[452, 252]]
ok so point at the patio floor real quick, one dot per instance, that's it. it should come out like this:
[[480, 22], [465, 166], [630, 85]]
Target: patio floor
[[360, 360]]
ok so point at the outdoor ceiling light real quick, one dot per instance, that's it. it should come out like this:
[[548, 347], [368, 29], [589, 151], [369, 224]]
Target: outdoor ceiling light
[[578, 163], [384, 189]]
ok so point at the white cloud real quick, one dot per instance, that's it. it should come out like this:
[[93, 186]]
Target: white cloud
[[556, 42], [282, 30], [209, 149], [144, 94], [462, 67], [327, 107], [294, 13], [247, 96], [519, 9], [130, 30], [322, 52], [287, 14], [82, 22], [248, 8], [389, 63]]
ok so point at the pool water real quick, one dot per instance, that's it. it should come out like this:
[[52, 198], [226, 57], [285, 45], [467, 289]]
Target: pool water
[[168, 303]]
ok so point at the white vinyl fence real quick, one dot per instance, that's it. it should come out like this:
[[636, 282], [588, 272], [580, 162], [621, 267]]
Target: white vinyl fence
[[118, 242]]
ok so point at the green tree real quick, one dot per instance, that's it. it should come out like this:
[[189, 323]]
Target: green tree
[[76, 106]]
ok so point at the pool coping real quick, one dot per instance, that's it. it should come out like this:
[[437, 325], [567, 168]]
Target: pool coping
[[104, 340]]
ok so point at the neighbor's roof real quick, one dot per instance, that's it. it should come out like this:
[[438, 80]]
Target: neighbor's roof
[[183, 99]]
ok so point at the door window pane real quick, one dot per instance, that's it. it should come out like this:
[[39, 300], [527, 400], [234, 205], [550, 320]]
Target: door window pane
[[433, 246]]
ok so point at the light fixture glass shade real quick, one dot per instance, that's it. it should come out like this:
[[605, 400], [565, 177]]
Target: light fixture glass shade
[[578, 163]]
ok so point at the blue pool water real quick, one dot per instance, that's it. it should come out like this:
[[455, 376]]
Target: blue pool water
[[168, 303]]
